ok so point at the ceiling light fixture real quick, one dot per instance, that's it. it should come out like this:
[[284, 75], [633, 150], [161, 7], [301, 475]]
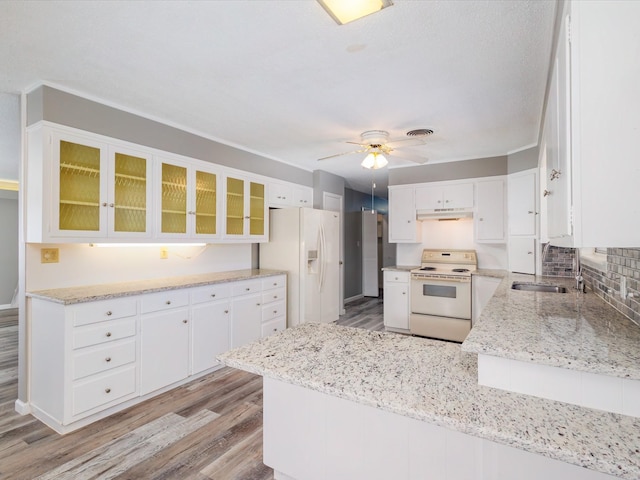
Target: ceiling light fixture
[[374, 161], [345, 11]]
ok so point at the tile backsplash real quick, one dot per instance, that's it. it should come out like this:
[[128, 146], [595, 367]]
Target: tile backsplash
[[621, 262]]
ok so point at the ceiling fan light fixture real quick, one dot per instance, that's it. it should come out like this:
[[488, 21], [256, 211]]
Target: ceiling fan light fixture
[[374, 161], [345, 11]]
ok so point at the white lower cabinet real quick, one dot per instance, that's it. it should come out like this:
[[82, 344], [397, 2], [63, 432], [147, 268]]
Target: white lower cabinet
[[92, 359], [164, 349], [396, 304]]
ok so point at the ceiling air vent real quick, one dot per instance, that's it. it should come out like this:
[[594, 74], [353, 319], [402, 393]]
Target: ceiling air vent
[[420, 132]]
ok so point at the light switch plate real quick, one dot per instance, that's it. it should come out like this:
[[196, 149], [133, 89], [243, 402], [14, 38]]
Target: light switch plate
[[49, 255]]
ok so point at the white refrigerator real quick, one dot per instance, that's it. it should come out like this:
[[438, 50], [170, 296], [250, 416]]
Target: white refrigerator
[[305, 242]]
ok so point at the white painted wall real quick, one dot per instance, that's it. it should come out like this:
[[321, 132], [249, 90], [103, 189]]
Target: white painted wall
[[86, 265], [456, 234]]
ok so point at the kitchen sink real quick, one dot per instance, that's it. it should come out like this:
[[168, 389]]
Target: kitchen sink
[[538, 287]]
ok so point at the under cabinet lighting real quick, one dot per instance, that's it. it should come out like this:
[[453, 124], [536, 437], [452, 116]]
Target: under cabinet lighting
[[345, 11], [147, 244]]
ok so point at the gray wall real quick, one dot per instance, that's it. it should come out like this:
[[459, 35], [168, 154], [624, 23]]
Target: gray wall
[[523, 160], [353, 254], [9, 136], [9, 243], [326, 182], [482, 167], [46, 103]]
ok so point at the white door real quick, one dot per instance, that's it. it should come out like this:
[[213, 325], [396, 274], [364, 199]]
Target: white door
[[522, 203], [369, 254], [522, 257]]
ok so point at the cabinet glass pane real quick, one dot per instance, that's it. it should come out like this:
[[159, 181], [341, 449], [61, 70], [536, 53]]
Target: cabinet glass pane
[[130, 194], [256, 214], [205, 203], [79, 187], [174, 199], [235, 206]]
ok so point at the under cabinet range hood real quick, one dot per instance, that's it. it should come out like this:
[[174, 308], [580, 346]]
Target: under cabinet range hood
[[444, 214]]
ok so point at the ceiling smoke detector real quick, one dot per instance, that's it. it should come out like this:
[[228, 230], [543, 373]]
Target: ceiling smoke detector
[[420, 132]]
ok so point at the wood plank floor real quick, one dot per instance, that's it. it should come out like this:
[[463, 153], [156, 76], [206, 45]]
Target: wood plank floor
[[210, 428]]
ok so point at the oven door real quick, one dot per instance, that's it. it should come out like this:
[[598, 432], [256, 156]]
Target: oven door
[[441, 297]]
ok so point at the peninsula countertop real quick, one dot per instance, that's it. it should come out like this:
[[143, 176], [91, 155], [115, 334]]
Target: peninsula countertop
[[105, 291], [436, 382], [570, 330]]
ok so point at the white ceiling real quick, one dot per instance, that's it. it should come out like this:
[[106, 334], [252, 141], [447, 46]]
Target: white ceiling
[[282, 79]]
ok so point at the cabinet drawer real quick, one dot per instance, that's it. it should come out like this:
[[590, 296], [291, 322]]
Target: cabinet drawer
[[93, 312], [273, 310], [98, 359], [103, 332], [244, 288], [396, 277], [104, 389], [155, 302], [273, 295], [209, 293], [274, 326], [278, 281]]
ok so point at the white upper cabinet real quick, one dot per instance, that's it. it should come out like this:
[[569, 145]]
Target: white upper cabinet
[[592, 197], [522, 205], [432, 197], [246, 209], [490, 211], [403, 226], [282, 195]]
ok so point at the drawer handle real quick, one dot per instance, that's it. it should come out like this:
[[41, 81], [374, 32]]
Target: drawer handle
[[275, 311], [275, 284], [275, 296], [247, 289], [108, 359], [109, 313], [107, 390], [184, 321], [213, 294], [168, 302], [257, 304], [108, 334], [226, 311], [275, 329]]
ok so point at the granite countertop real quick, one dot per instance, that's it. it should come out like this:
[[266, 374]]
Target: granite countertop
[[400, 268], [436, 382], [490, 272], [91, 293], [567, 330]]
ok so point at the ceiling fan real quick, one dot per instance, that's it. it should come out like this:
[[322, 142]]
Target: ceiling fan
[[376, 144]]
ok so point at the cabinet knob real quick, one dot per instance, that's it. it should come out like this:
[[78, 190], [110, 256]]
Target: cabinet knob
[[546, 193], [226, 311], [275, 296], [258, 304], [529, 253], [247, 217], [481, 219], [446, 201], [404, 293], [108, 334], [530, 212], [275, 329], [168, 302], [109, 313], [275, 311], [439, 201], [184, 321], [108, 359], [247, 289], [396, 278], [213, 294], [408, 221], [111, 205], [104, 204], [107, 390], [555, 174]]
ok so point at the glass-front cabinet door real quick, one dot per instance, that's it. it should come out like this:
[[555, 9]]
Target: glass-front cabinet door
[[129, 193], [78, 187], [206, 203], [246, 209], [173, 199]]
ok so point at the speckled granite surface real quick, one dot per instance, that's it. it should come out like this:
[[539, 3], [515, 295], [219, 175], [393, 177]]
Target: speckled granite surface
[[567, 330], [400, 268], [90, 293], [491, 272], [436, 382]]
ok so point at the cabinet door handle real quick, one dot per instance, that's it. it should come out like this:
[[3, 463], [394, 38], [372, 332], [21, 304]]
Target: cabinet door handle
[[530, 212], [275, 311], [247, 289], [168, 302], [213, 294], [247, 217], [108, 334], [546, 193], [529, 253], [481, 219], [184, 321], [226, 311], [555, 174], [108, 359], [275, 329], [404, 293], [107, 390], [109, 313], [258, 304]]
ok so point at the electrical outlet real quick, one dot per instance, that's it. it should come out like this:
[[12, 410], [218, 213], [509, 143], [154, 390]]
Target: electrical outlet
[[49, 255], [164, 253]]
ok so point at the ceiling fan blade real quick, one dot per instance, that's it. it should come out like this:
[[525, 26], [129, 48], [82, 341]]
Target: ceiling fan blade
[[412, 158], [340, 154], [405, 142]]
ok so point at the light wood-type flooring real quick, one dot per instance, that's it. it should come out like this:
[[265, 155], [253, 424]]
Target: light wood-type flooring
[[210, 428]]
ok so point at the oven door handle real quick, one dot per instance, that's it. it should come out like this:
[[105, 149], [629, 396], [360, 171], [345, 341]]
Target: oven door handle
[[442, 279]]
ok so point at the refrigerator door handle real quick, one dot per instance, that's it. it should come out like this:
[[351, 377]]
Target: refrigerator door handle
[[319, 260], [321, 257]]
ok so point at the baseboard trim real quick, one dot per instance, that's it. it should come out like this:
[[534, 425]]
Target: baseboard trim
[[23, 408], [351, 299]]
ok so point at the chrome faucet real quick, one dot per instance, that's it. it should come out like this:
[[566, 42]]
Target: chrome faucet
[[580, 285]]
